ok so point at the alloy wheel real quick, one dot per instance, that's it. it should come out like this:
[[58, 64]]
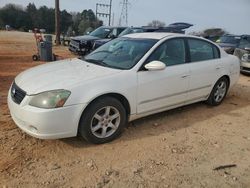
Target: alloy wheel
[[220, 91], [105, 122]]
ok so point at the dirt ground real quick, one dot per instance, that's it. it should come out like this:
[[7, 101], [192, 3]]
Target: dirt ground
[[178, 148]]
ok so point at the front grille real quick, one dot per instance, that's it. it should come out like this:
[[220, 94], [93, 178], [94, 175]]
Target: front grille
[[245, 68], [74, 43], [17, 94]]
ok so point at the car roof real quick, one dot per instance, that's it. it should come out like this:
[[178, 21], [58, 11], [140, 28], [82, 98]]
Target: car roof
[[112, 27], [153, 35]]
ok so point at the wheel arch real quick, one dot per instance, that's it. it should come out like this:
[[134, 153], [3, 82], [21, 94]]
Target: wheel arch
[[124, 101], [228, 79]]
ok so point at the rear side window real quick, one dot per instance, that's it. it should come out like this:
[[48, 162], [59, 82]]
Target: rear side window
[[202, 50]]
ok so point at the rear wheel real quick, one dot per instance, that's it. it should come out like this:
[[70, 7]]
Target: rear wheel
[[103, 120], [219, 92]]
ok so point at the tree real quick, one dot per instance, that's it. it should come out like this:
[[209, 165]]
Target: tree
[[210, 32], [214, 32], [32, 12], [83, 26], [156, 23], [15, 16], [46, 19], [43, 17], [66, 21]]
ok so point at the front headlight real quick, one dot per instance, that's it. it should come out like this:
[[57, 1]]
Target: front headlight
[[50, 99], [245, 58]]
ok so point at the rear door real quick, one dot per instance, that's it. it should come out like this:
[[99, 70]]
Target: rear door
[[205, 68]]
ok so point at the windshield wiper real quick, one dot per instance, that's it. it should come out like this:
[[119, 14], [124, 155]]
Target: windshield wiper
[[103, 51], [98, 62]]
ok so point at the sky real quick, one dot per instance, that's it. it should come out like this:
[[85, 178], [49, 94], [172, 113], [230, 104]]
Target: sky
[[231, 15]]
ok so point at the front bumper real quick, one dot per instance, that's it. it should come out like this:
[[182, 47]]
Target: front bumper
[[245, 67], [46, 123]]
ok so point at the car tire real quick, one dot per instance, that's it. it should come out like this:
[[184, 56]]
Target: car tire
[[35, 57], [219, 92], [103, 120]]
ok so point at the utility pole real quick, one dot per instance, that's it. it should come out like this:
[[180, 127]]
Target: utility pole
[[57, 22], [105, 10], [110, 8], [124, 13]]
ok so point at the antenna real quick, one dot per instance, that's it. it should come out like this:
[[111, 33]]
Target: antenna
[[124, 13]]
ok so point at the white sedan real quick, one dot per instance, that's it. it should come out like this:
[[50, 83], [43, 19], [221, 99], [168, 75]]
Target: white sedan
[[125, 79]]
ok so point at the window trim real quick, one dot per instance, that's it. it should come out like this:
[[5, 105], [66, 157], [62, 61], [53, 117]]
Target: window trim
[[213, 46], [142, 68]]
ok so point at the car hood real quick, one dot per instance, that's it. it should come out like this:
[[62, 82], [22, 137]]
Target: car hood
[[63, 74], [103, 40], [85, 38]]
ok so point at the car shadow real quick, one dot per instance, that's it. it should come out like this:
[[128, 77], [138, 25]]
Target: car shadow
[[173, 120]]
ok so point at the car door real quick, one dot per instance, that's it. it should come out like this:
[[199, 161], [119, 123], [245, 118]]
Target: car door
[[205, 68], [159, 90]]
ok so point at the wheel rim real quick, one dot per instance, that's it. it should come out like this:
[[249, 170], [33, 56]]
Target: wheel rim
[[220, 91], [105, 122]]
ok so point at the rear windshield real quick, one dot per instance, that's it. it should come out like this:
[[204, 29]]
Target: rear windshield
[[131, 30]]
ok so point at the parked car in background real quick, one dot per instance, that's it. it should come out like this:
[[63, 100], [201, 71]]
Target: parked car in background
[[230, 42], [178, 27], [125, 79], [83, 44], [245, 62], [126, 31], [213, 38]]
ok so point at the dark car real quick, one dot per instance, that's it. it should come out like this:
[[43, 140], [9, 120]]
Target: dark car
[[126, 31], [230, 42], [84, 44], [178, 27]]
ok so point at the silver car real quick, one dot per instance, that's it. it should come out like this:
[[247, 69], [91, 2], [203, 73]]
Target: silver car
[[245, 63]]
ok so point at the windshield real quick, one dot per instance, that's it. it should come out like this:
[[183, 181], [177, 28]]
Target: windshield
[[131, 30], [121, 53], [101, 32], [230, 39]]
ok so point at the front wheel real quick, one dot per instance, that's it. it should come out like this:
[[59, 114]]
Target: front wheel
[[219, 92], [103, 120]]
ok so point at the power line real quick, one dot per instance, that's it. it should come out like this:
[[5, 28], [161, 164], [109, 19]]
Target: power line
[[124, 13]]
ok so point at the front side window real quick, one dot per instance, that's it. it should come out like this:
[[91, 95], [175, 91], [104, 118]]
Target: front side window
[[201, 50], [121, 53], [171, 52]]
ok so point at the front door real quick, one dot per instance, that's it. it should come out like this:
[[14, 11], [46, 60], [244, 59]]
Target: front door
[[158, 90]]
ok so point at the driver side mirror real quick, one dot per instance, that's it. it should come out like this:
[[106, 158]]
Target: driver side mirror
[[155, 66]]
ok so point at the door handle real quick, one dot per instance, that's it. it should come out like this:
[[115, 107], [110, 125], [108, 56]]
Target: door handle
[[185, 76], [217, 68]]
